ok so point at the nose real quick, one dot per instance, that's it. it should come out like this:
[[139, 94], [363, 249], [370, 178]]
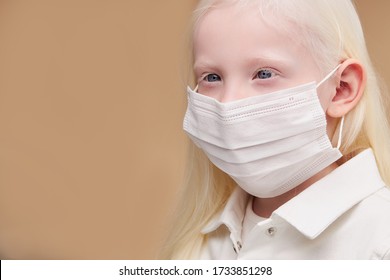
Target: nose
[[231, 93]]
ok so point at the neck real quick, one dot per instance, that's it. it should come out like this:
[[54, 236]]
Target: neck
[[264, 207]]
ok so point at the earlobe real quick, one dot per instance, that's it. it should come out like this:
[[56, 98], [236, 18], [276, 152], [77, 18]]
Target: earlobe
[[350, 88]]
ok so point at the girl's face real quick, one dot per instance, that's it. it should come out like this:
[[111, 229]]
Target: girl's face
[[237, 54]]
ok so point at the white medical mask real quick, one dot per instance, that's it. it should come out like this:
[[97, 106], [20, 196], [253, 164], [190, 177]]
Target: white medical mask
[[268, 144]]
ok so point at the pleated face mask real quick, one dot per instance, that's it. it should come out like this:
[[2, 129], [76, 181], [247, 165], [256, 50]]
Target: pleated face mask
[[268, 144]]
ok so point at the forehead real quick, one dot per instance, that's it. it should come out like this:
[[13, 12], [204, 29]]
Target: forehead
[[232, 29]]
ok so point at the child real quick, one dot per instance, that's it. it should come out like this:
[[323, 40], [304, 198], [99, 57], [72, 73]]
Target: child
[[290, 155]]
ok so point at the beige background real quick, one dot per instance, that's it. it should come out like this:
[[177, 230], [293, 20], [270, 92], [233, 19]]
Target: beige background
[[91, 105]]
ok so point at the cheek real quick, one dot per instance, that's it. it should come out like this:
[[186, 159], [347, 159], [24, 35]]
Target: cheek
[[325, 96], [331, 129]]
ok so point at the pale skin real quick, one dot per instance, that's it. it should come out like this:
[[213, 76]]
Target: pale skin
[[237, 55]]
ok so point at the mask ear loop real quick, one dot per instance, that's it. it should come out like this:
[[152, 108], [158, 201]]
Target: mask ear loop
[[196, 88], [340, 132], [328, 76], [342, 118]]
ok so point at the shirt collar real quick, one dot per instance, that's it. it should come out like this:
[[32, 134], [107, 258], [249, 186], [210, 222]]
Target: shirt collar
[[313, 210], [232, 215], [317, 207]]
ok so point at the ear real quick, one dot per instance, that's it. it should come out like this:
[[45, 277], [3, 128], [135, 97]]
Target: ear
[[351, 82]]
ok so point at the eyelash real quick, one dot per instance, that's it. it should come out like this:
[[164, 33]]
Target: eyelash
[[270, 71], [204, 78], [218, 78]]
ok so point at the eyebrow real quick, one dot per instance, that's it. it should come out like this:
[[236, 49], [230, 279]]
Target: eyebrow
[[203, 64], [280, 61], [249, 62]]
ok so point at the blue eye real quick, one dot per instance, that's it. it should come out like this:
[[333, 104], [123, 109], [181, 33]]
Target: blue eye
[[212, 78], [264, 74]]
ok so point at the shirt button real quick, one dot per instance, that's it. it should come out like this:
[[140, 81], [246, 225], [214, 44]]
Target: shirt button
[[237, 247], [271, 231]]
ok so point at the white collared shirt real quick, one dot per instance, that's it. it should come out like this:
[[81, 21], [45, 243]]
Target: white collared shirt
[[345, 215]]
